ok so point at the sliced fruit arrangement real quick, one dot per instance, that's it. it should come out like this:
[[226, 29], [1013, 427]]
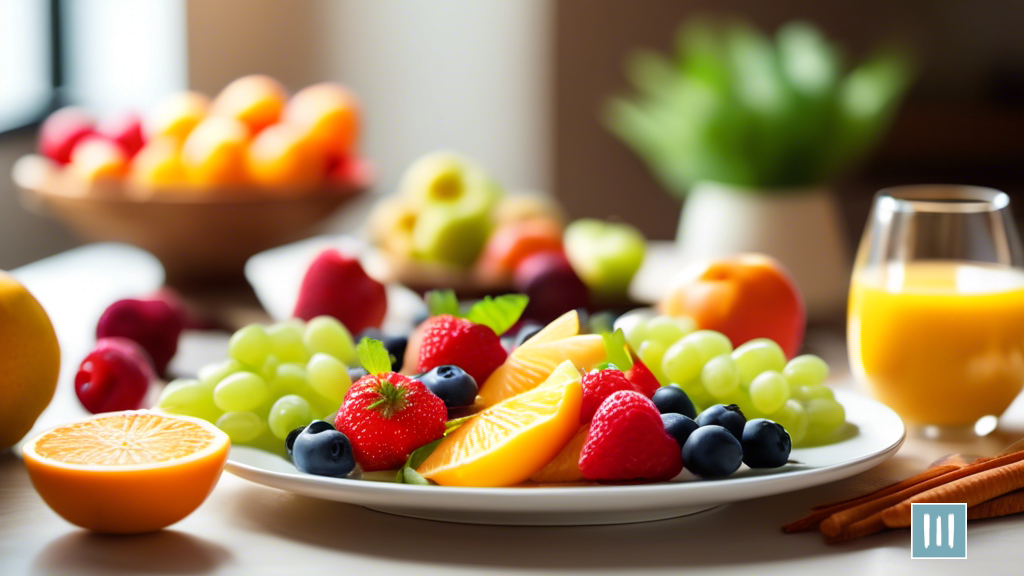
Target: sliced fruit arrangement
[[450, 224], [754, 376], [127, 472], [251, 138]]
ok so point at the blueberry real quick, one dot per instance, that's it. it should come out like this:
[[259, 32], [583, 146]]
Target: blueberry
[[527, 331], [289, 440], [671, 399], [711, 451], [678, 426], [451, 384], [322, 450], [395, 345], [766, 444], [357, 372], [727, 416]]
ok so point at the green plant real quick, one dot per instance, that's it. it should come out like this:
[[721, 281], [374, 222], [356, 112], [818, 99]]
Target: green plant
[[736, 108]]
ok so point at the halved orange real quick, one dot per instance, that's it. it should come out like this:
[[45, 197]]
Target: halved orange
[[507, 443], [127, 472]]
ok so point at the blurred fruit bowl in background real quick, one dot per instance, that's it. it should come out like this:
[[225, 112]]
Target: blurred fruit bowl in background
[[202, 184]]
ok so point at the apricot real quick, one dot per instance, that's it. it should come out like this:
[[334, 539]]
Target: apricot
[[328, 114], [96, 158], [280, 156], [176, 115], [158, 164], [214, 153], [255, 100]]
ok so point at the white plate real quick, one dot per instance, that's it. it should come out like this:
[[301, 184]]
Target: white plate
[[879, 433]]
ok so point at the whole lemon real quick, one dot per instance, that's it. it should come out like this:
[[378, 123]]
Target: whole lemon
[[29, 360]]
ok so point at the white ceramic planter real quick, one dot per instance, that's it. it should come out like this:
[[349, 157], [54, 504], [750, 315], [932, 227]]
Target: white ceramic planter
[[800, 228]]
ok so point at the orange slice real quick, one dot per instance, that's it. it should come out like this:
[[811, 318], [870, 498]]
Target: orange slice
[[565, 467], [127, 472], [534, 361], [507, 443]]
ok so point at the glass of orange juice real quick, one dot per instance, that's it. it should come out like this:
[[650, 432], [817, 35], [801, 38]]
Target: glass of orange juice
[[936, 314]]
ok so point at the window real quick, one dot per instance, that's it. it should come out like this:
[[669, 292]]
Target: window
[[27, 56]]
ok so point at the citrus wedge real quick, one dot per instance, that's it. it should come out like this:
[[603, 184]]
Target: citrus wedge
[[565, 466], [507, 443], [566, 325], [532, 362], [127, 472]]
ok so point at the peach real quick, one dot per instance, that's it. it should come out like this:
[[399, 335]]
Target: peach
[[98, 159], [280, 156], [513, 242], [255, 100], [746, 296], [329, 115], [214, 153], [158, 164], [176, 115]]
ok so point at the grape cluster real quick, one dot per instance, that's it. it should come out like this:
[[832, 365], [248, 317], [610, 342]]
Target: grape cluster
[[278, 377], [755, 376]]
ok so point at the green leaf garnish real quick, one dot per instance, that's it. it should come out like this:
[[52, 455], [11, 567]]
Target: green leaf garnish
[[499, 314], [443, 302], [373, 356], [615, 348], [407, 474]]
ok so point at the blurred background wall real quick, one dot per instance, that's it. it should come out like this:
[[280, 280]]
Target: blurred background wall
[[520, 85]]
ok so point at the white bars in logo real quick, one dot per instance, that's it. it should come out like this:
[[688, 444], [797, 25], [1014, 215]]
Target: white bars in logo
[[938, 531]]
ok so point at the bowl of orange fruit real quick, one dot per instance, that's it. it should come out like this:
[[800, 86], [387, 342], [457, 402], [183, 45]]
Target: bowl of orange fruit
[[202, 183]]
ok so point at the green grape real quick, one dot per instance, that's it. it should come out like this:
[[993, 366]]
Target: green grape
[[241, 426], [807, 393], [758, 356], [681, 362], [325, 334], [286, 341], [769, 391], [806, 370], [211, 374], [287, 414], [189, 397], [241, 391], [668, 329], [709, 344], [634, 326], [651, 353], [824, 416], [793, 418], [291, 378], [250, 345], [720, 376], [269, 368], [698, 394], [328, 376]]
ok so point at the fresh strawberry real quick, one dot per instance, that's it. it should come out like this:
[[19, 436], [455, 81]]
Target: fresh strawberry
[[471, 343], [336, 285], [642, 378], [598, 385], [473, 347], [627, 441], [387, 415]]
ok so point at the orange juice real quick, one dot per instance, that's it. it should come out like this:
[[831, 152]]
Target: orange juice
[[941, 342]]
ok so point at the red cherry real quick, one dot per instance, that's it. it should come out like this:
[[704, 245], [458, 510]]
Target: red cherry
[[115, 376]]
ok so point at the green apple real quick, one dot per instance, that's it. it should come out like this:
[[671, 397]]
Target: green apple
[[445, 178], [453, 233], [605, 255]]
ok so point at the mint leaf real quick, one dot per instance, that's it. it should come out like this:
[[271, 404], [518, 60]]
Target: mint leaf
[[499, 314], [615, 348], [407, 474], [373, 356], [443, 302]]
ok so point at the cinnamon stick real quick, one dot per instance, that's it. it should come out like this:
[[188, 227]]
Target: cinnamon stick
[[1012, 503]]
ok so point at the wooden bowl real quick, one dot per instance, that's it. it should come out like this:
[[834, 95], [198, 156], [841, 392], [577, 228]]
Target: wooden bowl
[[196, 237]]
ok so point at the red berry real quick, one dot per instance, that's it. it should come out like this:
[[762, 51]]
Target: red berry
[[473, 347], [336, 285], [62, 131], [597, 386], [115, 376], [387, 416], [152, 324], [643, 379], [627, 441]]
